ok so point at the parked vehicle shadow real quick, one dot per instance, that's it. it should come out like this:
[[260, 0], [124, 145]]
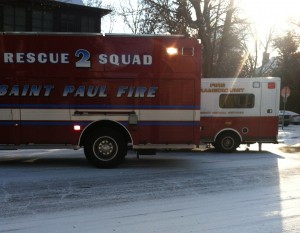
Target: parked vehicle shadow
[[163, 159]]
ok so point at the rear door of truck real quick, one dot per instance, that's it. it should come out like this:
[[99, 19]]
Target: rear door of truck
[[269, 108]]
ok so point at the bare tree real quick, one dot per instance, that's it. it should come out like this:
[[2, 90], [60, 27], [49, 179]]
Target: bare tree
[[250, 60], [108, 21], [93, 3], [131, 13], [266, 66], [212, 21], [226, 35]]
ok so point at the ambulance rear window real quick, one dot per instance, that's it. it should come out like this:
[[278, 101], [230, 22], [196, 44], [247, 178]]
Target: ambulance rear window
[[236, 101]]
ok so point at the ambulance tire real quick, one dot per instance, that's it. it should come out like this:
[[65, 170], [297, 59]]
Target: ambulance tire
[[227, 142], [105, 148]]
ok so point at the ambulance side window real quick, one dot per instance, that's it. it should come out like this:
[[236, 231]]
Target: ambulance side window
[[236, 101]]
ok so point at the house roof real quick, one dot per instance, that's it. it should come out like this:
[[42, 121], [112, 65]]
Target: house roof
[[71, 4]]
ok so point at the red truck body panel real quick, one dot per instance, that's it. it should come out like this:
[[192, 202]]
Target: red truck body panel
[[51, 82]]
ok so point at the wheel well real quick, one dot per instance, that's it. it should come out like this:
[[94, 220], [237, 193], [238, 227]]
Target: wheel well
[[231, 131], [107, 124]]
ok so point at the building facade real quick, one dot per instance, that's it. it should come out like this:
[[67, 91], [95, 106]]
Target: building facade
[[49, 16]]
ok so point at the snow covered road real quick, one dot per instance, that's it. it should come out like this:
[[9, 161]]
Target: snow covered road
[[247, 191]]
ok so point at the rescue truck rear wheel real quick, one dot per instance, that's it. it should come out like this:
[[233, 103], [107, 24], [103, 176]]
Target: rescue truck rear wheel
[[227, 142], [105, 148]]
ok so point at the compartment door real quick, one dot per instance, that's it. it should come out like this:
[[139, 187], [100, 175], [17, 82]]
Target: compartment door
[[269, 111], [9, 112]]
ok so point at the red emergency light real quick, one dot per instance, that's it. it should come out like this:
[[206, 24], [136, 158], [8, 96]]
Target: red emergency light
[[271, 85]]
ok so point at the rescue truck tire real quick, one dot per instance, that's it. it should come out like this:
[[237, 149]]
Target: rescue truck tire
[[105, 148], [227, 142]]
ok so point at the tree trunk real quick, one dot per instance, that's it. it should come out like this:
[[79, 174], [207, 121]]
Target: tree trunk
[[225, 37], [200, 25]]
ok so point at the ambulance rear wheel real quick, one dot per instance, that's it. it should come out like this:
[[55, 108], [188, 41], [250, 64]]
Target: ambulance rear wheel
[[227, 142], [105, 148]]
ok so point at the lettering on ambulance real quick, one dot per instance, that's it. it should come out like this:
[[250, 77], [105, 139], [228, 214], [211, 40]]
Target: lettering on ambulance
[[31, 58], [221, 88], [226, 90], [125, 59], [113, 59], [100, 91], [137, 92], [26, 90], [83, 58], [80, 91]]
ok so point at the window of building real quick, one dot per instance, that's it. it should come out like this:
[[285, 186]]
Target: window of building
[[14, 18], [236, 101], [68, 23], [42, 21], [87, 24]]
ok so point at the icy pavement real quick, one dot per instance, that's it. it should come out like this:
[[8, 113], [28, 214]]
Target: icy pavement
[[290, 137], [206, 192]]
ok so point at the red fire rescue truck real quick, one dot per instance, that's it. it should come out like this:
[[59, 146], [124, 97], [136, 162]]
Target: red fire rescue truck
[[103, 93], [239, 110]]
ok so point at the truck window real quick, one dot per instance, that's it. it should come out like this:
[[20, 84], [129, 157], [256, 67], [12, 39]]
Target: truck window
[[236, 101]]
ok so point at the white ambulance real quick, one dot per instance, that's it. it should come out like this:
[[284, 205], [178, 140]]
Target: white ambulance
[[238, 111]]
